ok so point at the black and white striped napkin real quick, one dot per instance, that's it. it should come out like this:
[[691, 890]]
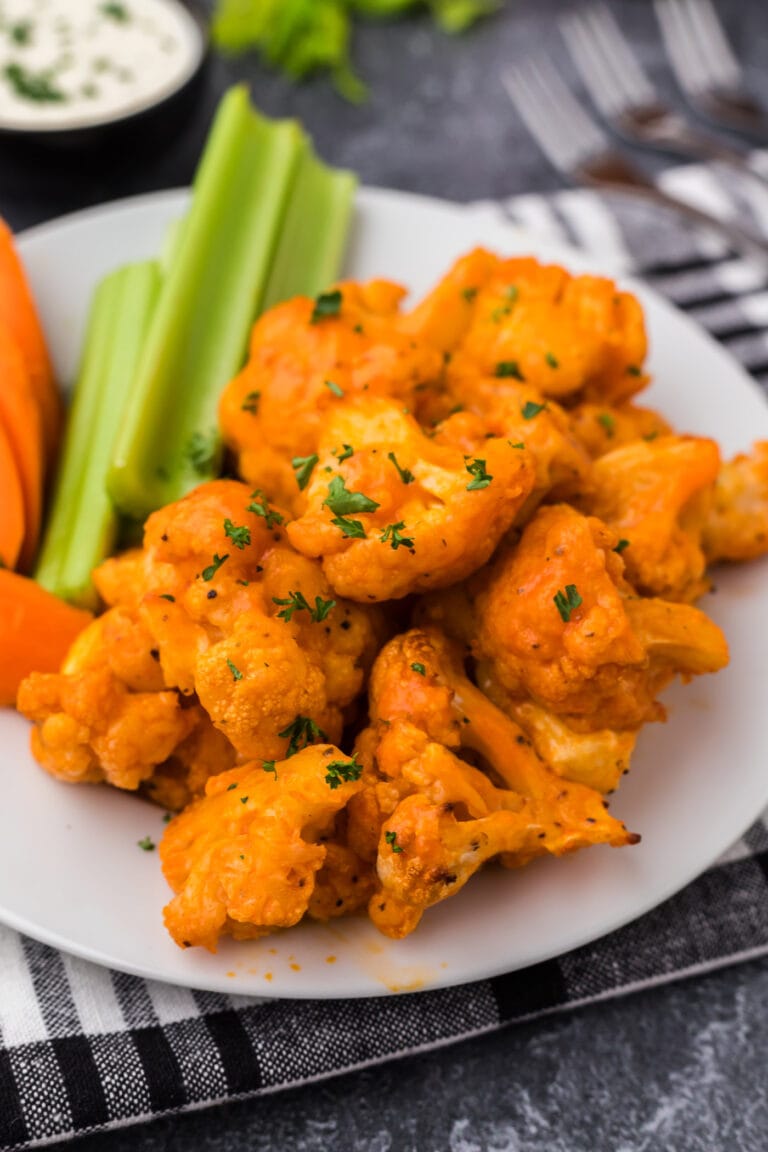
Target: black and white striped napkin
[[83, 1048]]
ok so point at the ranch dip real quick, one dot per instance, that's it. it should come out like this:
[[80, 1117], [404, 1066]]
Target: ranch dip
[[72, 63]]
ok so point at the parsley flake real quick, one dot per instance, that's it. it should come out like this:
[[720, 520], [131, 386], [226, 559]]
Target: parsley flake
[[352, 528], [270, 766], [622, 544], [236, 673], [301, 732], [209, 572], [345, 455], [405, 474], [230, 787], [518, 444], [633, 370], [341, 501], [391, 535], [608, 422], [509, 368], [167, 596], [304, 466], [243, 799], [512, 293], [391, 839], [552, 360], [333, 387], [260, 507], [482, 478], [567, 602], [251, 403], [469, 294], [239, 536], [321, 609], [419, 668], [147, 844], [326, 304], [297, 602], [529, 410], [343, 772], [649, 436]]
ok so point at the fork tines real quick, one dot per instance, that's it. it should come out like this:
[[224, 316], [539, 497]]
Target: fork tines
[[563, 130], [607, 65], [697, 47]]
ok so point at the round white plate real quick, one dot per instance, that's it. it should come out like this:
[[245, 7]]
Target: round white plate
[[71, 873]]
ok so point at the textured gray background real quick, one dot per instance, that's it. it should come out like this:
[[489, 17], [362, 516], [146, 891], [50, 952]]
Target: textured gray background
[[682, 1068]]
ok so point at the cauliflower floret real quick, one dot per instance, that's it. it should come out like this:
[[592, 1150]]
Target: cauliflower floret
[[391, 511], [601, 428], [557, 621], [301, 364], [736, 527], [572, 337], [431, 818], [250, 626], [655, 495], [243, 860], [105, 716]]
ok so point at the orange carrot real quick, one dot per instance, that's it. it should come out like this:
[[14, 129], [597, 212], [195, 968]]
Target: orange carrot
[[36, 631], [11, 507], [21, 422], [17, 310]]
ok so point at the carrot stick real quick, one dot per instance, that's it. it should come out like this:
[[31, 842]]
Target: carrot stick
[[17, 310], [36, 631], [21, 421], [11, 507]]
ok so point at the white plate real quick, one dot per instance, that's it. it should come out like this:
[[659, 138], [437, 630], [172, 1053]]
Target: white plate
[[71, 873]]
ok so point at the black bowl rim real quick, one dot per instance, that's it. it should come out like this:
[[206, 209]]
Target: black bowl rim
[[80, 131]]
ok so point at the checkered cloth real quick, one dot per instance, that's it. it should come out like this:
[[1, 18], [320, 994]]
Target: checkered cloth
[[83, 1048]]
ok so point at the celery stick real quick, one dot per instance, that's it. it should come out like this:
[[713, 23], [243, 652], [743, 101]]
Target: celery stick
[[314, 231], [82, 524], [168, 441]]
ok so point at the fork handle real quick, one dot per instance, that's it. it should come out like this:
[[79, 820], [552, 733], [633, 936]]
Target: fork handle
[[744, 241]]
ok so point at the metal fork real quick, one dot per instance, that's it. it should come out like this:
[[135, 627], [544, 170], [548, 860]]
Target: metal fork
[[625, 95], [706, 67], [578, 148]]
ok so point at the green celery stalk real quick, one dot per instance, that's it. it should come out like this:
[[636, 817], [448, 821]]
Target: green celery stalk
[[168, 440], [82, 524], [314, 232]]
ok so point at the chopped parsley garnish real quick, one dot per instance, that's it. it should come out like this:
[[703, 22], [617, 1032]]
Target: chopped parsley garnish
[[405, 474], [552, 360], [297, 602], [236, 673], [21, 33], [167, 596], [239, 536], [209, 572], [301, 732], [333, 387], [529, 410], [482, 479], [622, 544], [115, 11], [348, 527], [35, 86], [147, 844], [567, 602], [512, 293], [650, 436], [342, 502], [231, 787], [391, 535], [326, 304], [342, 771], [419, 668], [340, 455], [509, 368], [243, 799], [260, 507], [469, 294], [304, 466], [201, 451], [518, 444], [251, 403], [391, 839], [608, 422], [270, 766], [633, 370]]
